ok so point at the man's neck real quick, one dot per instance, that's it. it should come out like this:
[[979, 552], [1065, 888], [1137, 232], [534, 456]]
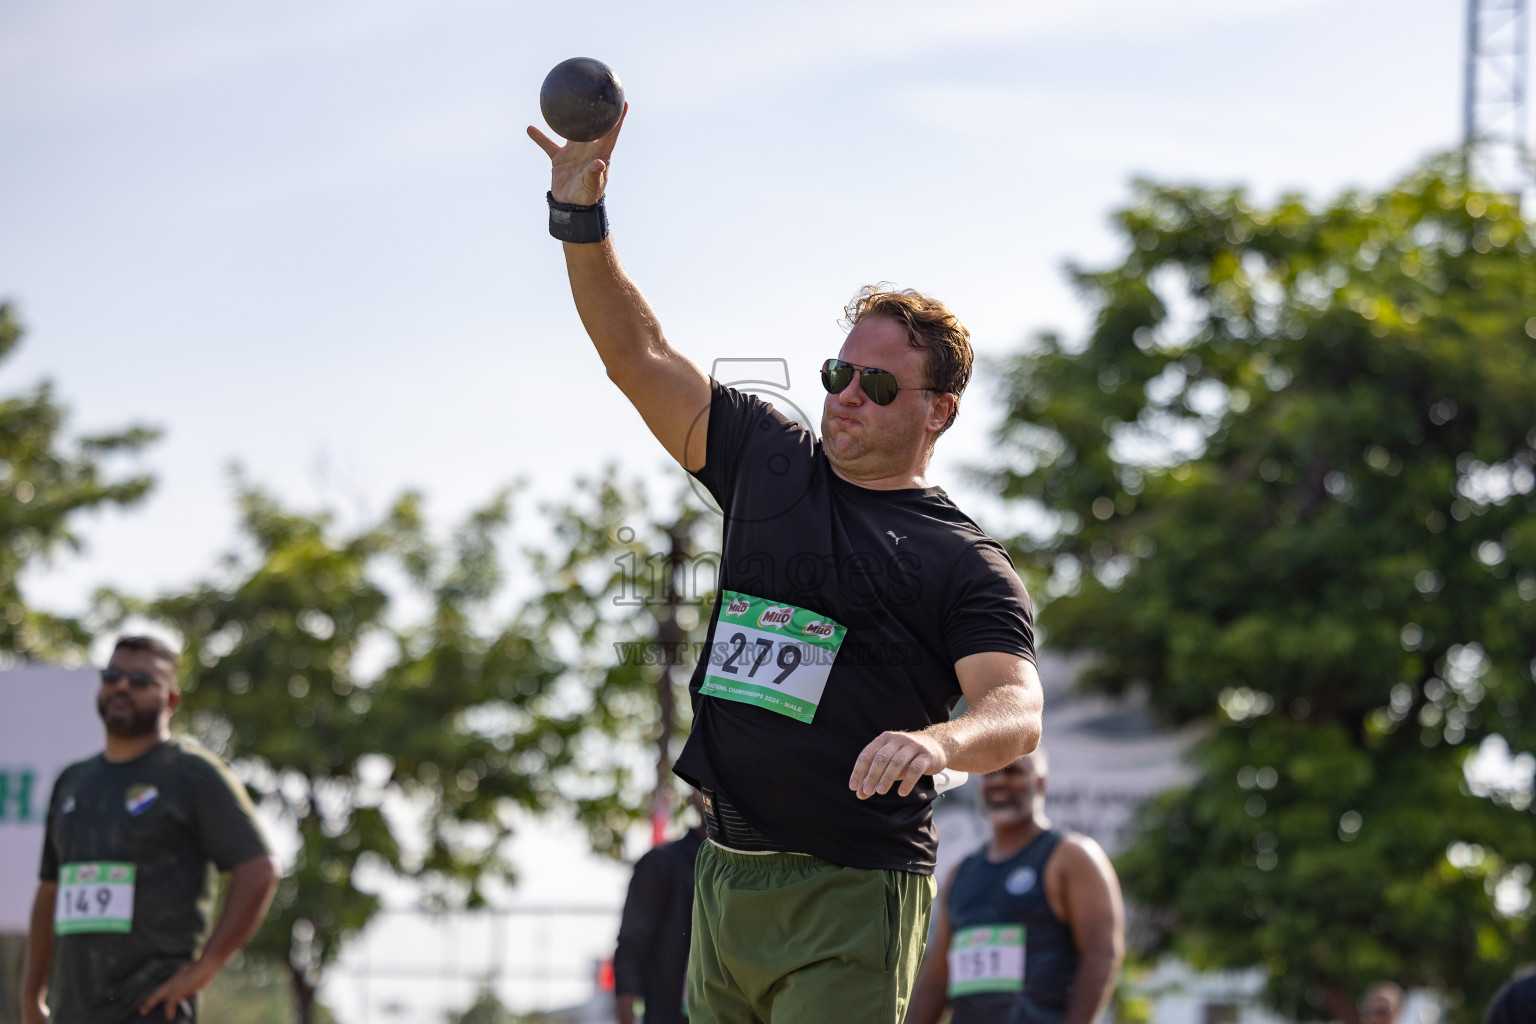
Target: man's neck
[[1008, 840], [907, 478], [128, 748]]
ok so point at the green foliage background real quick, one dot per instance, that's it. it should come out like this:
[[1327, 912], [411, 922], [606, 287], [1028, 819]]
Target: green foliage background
[[47, 480], [400, 769], [1286, 490]]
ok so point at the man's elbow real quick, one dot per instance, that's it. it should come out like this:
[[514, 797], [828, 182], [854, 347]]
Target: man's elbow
[[1029, 732], [1015, 743], [1025, 727], [1107, 952], [1113, 954], [632, 366], [1002, 751]]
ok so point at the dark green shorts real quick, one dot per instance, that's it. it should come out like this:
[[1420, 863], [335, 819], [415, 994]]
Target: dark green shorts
[[783, 938]]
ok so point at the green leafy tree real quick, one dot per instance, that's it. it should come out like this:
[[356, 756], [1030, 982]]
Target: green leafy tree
[[626, 599], [46, 481], [390, 753], [1286, 487]]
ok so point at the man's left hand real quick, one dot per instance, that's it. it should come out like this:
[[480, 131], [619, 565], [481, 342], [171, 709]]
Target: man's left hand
[[184, 984], [894, 757]]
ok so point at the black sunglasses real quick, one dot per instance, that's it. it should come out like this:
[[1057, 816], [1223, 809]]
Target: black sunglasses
[[137, 680], [879, 385]]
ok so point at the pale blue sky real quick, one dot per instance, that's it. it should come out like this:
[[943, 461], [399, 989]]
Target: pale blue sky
[[311, 237]]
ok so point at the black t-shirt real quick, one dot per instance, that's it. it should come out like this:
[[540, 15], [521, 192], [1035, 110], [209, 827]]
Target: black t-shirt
[[177, 816], [651, 960], [918, 587]]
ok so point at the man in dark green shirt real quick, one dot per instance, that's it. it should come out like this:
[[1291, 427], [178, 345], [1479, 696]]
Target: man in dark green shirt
[[136, 837]]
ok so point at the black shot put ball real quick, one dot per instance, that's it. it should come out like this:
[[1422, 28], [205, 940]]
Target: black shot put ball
[[581, 99]]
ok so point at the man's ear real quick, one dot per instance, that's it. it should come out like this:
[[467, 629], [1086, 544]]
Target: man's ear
[[940, 412], [173, 700]]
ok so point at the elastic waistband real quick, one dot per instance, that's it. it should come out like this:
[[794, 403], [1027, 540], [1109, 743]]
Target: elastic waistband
[[725, 826], [761, 860]]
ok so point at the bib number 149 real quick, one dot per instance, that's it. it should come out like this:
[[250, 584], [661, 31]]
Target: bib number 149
[[94, 897]]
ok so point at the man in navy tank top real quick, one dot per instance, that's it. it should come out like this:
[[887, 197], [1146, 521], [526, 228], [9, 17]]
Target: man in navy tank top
[[1030, 928]]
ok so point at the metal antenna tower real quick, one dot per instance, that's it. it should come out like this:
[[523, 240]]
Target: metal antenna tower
[[1494, 118]]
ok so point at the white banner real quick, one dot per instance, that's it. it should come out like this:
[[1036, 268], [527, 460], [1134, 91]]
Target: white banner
[[47, 722]]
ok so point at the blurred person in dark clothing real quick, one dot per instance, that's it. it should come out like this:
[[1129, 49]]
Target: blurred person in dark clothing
[[651, 962], [1515, 1003], [1381, 1004], [123, 925]]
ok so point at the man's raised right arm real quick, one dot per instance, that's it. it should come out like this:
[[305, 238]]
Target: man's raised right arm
[[671, 394]]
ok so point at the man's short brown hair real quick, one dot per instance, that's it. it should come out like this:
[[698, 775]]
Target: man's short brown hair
[[931, 328], [147, 644]]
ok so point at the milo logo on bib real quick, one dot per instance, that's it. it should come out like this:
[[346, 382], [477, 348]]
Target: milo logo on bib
[[776, 617], [780, 662]]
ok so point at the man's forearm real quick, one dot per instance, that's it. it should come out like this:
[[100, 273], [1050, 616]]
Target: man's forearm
[[252, 884], [39, 957], [621, 324], [1092, 987], [671, 394], [1001, 727]]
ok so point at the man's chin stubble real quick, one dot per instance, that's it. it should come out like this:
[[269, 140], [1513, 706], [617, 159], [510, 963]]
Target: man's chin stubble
[[127, 726]]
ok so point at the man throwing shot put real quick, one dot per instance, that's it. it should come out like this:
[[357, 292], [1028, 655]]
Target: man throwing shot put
[[135, 838], [857, 604], [1031, 928]]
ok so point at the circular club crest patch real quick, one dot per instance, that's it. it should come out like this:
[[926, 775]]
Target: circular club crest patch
[[1021, 881]]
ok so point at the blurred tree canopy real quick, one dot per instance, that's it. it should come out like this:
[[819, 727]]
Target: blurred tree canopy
[[360, 687], [1286, 489], [46, 481], [625, 599], [393, 753]]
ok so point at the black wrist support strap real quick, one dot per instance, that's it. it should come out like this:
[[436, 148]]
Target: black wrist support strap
[[570, 222]]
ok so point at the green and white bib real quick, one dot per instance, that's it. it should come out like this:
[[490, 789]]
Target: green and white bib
[[94, 896], [987, 958], [774, 655]]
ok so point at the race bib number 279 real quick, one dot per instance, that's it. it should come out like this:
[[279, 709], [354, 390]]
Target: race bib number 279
[[774, 655]]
